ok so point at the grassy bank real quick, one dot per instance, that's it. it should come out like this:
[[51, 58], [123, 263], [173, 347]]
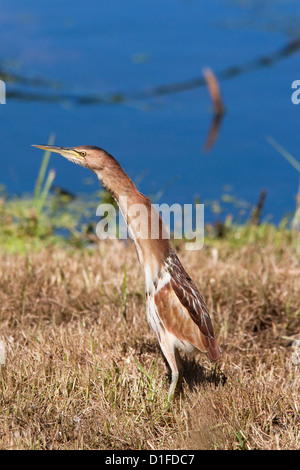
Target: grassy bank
[[83, 369]]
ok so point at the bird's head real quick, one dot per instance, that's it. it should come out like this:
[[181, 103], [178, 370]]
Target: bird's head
[[106, 167], [94, 158]]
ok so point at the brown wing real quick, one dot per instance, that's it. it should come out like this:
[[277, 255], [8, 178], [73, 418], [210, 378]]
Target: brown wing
[[190, 297]]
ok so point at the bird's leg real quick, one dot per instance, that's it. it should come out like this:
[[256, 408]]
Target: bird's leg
[[176, 376], [173, 359]]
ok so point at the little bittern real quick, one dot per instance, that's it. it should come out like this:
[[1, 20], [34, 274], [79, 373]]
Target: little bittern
[[176, 309]]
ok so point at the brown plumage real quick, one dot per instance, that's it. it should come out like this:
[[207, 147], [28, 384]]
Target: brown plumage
[[176, 309], [190, 297]]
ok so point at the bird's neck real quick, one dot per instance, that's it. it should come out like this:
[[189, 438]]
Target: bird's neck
[[144, 223]]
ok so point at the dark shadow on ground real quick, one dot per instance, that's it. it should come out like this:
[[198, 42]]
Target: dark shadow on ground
[[194, 374]]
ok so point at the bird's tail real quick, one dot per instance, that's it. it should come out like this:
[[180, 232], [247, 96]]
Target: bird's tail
[[213, 350]]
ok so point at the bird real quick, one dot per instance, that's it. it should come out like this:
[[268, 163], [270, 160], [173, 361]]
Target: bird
[[176, 310]]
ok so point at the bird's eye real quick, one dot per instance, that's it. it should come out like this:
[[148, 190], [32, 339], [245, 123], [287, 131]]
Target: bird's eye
[[82, 154]]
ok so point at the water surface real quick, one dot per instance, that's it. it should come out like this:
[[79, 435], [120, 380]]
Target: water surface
[[127, 76]]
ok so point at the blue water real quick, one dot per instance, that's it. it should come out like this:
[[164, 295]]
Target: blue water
[[106, 73]]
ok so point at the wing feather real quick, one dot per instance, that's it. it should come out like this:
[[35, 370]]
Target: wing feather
[[190, 297]]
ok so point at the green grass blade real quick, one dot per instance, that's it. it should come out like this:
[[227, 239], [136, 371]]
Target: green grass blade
[[142, 369], [292, 160], [42, 172], [46, 189]]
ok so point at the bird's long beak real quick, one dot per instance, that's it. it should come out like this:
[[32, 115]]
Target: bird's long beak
[[67, 152]]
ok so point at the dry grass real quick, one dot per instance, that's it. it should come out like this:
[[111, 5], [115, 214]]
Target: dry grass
[[83, 369]]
